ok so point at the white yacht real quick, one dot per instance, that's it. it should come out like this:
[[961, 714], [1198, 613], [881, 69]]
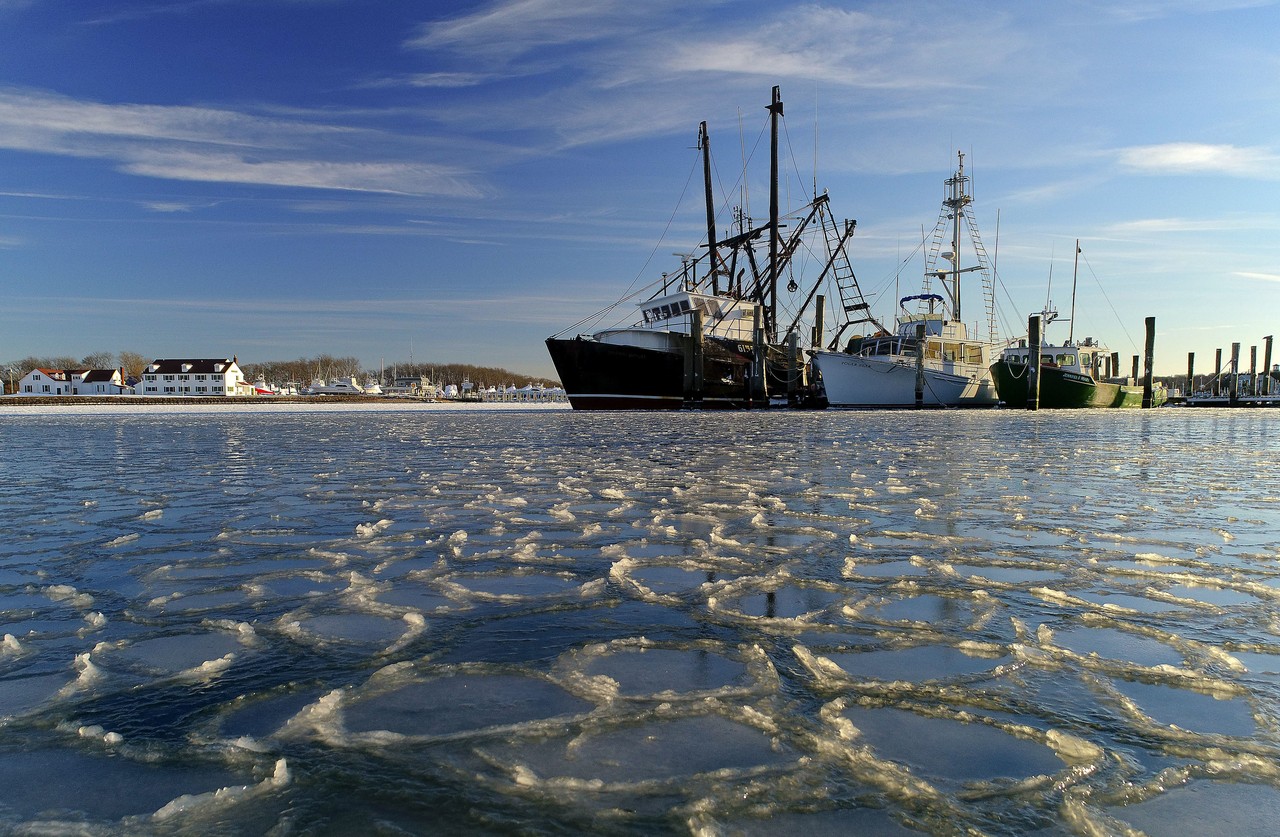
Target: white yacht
[[946, 367]]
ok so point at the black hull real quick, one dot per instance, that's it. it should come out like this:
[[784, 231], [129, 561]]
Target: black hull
[[607, 376]]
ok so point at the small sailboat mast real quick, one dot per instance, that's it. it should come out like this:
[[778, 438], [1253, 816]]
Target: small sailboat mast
[[1071, 330]]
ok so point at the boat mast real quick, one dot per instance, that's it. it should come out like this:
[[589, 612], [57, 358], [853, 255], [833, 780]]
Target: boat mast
[[956, 203], [771, 310], [704, 143], [1071, 329]]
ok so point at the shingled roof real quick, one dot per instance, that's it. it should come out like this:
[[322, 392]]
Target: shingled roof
[[183, 366]]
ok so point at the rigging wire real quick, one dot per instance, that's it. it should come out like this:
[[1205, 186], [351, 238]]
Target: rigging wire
[[1132, 343], [628, 294]]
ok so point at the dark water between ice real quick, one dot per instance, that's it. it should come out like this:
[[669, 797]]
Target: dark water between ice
[[547, 622]]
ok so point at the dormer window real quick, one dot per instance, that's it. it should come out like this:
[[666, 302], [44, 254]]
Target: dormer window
[[218, 367], [186, 367]]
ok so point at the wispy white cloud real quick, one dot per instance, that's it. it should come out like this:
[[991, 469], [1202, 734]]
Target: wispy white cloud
[[513, 27], [169, 206], [1184, 225], [616, 71], [1136, 11], [1194, 157], [430, 80], [391, 178], [1258, 277], [217, 146]]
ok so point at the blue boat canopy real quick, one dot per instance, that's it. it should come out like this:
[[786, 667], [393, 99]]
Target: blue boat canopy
[[926, 297]]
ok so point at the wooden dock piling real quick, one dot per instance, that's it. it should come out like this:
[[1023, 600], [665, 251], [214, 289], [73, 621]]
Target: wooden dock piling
[[1266, 365], [819, 314], [693, 362], [1234, 389], [1033, 362], [1149, 351]]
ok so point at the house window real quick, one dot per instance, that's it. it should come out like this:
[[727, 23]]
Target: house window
[[46, 387], [168, 377], [35, 377]]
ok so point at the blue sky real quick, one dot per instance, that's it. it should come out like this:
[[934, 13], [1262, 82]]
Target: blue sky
[[457, 181]]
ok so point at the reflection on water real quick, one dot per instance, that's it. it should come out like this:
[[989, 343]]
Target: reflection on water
[[545, 621]]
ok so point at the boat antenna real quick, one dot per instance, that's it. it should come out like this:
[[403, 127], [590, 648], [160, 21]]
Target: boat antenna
[[815, 139], [742, 146], [1048, 290], [1075, 271]]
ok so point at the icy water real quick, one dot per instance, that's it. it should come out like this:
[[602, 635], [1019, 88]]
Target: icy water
[[546, 622]]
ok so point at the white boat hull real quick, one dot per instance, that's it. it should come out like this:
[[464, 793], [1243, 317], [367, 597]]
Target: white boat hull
[[890, 381]]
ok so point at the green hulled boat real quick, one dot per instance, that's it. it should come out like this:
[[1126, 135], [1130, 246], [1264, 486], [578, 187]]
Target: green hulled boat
[[1072, 375], [1069, 378]]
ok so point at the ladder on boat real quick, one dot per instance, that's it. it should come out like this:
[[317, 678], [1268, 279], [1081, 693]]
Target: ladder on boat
[[934, 254], [855, 306]]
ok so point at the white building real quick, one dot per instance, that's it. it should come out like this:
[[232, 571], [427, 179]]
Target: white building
[[193, 376], [73, 382]]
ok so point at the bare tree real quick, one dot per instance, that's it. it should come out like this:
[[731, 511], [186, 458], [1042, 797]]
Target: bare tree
[[133, 363], [98, 360]]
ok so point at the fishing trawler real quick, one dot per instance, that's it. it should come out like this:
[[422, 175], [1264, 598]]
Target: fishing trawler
[[1071, 375], [719, 333], [930, 359]]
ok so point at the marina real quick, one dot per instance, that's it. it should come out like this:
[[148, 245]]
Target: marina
[[590, 470], [486, 619]]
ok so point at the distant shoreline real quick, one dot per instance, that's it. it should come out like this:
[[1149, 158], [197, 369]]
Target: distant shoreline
[[48, 400], [72, 403]]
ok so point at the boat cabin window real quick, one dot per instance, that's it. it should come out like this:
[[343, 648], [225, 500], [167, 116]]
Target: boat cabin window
[[1046, 359], [1084, 358], [665, 311], [1067, 360]]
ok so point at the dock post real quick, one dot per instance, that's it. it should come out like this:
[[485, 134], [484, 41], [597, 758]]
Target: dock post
[[693, 362], [1033, 362], [1235, 373], [1148, 354], [758, 393], [1133, 379], [793, 367], [819, 311], [1217, 372], [1191, 373], [919, 365], [1115, 365], [1253, 371], [1266, 363]]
